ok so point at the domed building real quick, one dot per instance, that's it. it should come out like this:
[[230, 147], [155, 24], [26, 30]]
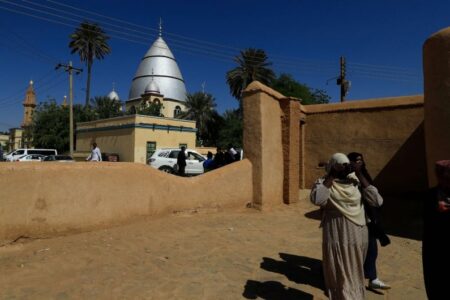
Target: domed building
[[134, 137], [158, 80], [113, 95]]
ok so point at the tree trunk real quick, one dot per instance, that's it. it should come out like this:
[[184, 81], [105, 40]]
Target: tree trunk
[[88, 82]]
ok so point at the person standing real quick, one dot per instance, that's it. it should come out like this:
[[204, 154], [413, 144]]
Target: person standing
[[96, 154], [344, 230], [232, 153], [436, 222], [181, 161], [375, 231], [208, 164], [219, 158]]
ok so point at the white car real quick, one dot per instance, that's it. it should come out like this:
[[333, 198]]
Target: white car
[[165, 159], [13, 155], [30, 157]]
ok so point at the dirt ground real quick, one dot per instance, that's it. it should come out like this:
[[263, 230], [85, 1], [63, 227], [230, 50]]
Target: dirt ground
[[243, 254]]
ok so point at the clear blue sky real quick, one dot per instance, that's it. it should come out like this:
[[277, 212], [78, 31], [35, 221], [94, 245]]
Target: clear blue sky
[[381, 40]]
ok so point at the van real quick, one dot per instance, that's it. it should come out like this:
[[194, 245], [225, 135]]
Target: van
[[15, 154]]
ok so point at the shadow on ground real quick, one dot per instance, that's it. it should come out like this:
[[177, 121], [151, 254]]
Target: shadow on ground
[[315, 214], [272, 290], [298, 269]]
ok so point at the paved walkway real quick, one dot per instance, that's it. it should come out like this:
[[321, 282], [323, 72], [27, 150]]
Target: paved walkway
[[195, 255]]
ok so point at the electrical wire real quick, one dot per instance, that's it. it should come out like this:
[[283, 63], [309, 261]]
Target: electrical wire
[[202, 50], [382, 72]]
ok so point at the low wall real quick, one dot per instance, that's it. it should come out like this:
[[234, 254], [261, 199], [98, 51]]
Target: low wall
[[389, 133], [45, 199]]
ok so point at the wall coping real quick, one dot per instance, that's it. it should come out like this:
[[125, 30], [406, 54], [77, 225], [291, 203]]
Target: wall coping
[[151, 126], [257, 86], [369, 104], [130, 119]]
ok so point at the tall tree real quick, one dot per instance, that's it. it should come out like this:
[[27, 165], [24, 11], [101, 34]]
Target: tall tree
[[90, 42], [288, 86], [199, 107], [231, 131], [105, 107], [50, 128], [252, 65]]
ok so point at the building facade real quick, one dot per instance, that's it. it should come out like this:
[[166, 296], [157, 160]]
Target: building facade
[[135, 137]]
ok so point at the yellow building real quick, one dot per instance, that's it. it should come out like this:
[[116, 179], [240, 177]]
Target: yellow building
[[135, 137], [4, 141]]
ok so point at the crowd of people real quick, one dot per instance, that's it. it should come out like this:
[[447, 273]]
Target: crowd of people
[[220, 159]]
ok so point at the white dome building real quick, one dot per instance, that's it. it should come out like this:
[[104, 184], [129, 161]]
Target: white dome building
[[158, 78], [113, 95]]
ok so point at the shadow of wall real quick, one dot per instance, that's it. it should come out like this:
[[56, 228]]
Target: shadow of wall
[[403, 182]]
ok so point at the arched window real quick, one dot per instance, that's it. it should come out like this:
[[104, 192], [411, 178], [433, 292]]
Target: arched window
[[133, 110], [177, 111], [156, 101]]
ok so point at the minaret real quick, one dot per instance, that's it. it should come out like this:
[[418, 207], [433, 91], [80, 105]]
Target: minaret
[[64, 104], [29, 105]]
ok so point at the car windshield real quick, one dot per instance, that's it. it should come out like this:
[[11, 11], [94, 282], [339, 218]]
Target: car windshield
[[192, 156], [174, 154]]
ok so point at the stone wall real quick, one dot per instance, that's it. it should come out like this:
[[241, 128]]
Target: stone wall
[[388, 132], [46, 199], [263, 143]]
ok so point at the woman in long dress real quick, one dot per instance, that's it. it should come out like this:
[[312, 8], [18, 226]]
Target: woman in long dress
[[344, 230]]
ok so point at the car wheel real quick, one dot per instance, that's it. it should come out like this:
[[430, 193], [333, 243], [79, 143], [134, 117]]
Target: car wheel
[[166, 169]]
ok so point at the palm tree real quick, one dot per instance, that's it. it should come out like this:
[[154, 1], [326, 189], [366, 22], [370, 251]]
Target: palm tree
[[105, 108], [252, 65], [89, 41], [199, 107]]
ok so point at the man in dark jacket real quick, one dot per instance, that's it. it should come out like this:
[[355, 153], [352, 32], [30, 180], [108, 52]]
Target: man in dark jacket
[[181, 161]]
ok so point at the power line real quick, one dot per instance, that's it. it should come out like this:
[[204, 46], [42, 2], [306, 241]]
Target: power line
[[392, 68], [315, 67], [40, 85], [287, 60]]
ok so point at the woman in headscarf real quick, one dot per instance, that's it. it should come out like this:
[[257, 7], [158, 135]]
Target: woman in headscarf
[[435, 247], [344, 230], [375, 231]]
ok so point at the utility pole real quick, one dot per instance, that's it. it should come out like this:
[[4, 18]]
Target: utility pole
[[345, 84], [69, 69]]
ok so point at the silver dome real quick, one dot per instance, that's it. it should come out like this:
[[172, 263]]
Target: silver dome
[[152, 87], [113, 95], [159, 64]]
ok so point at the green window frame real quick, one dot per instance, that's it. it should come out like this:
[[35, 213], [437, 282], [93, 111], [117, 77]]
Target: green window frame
[[151, 148]]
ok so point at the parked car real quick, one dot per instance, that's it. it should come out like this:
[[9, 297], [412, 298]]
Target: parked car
[[165, 159], [30, 157], [59, 158], [11, 156]]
